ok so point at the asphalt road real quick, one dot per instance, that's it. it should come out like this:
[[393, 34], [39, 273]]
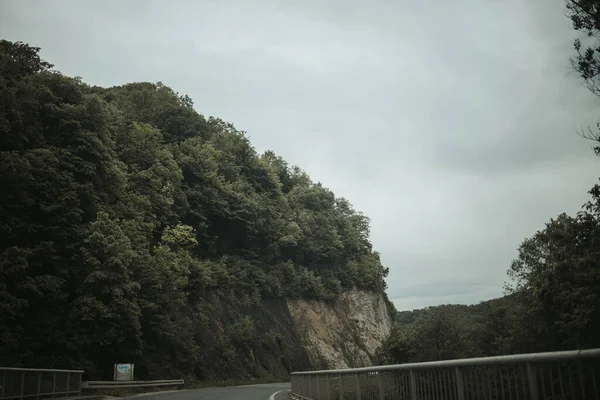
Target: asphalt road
[[267, 391]]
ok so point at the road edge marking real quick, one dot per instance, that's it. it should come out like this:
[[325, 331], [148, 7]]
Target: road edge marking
[[272, 397]]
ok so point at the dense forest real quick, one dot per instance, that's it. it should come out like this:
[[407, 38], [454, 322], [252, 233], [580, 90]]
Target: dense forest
[[132, 228], [553, 291], [495, 327]]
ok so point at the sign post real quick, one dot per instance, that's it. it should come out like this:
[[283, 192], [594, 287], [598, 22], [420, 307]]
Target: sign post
[[123, 372]]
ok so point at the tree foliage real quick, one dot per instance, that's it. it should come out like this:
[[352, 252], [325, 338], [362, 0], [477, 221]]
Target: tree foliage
[[134, 228], [491, 328], [585, 17]]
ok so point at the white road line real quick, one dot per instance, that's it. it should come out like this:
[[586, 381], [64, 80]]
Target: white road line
[[272, 397]]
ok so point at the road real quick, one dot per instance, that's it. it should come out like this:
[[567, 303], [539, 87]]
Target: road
[[267, 391]]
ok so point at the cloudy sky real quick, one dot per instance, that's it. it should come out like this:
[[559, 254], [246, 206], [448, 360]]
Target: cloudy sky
[[451, 124]]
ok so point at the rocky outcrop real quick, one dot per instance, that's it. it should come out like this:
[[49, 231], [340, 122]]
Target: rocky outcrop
[[279, 336], [344, 333]]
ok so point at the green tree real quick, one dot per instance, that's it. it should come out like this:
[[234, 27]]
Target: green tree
[[585, 16], [558, 270], [104, 316]]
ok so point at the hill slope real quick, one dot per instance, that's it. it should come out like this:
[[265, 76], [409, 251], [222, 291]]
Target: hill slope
[[495, 327], [135, 229]]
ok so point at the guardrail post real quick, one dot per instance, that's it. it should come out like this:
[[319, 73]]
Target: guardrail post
[[318, 379], [39, 385], [413, 385], [341, 388], [68, 384], [358, 391], [22, 384], [53, 384], [327, 387], [460, 384], [532, 378], [380, 385], [304, 387], [3, 384]]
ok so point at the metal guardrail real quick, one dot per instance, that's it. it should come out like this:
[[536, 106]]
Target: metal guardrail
[[130, 384], [27, 383], [537, 376]]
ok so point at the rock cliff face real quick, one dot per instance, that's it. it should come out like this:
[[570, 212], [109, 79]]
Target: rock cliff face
[[280, 336], [344, 333]]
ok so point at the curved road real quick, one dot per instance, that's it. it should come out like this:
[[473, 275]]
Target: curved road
[[267, 391]]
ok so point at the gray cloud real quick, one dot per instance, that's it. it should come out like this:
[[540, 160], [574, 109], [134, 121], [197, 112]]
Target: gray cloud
[[450, 124]]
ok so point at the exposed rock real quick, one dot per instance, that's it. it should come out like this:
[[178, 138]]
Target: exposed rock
[[344, 333], [293, 335]]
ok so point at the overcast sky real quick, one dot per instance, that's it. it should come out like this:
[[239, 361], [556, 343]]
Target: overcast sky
[[451, 124]]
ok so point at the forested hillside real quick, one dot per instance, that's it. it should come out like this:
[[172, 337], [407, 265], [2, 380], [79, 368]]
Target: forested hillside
[[451, 331], [132, 228], [553, 300]]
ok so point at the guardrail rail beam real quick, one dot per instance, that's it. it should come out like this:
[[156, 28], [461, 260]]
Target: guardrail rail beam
[[572, 374]]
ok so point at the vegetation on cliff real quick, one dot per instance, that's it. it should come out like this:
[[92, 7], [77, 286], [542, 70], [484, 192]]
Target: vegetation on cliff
[[554, 287], [134, 229]]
